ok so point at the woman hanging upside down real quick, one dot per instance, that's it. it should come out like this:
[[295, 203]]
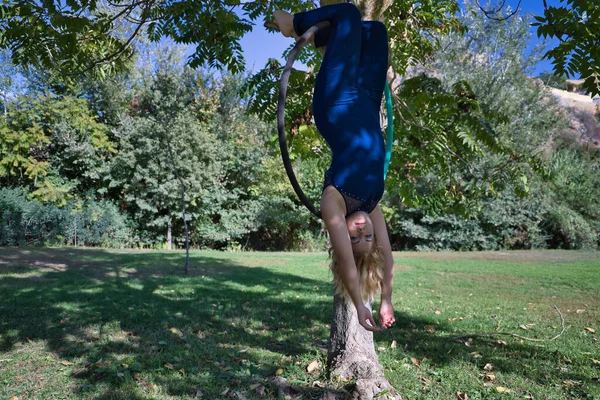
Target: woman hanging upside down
[[346, 104]]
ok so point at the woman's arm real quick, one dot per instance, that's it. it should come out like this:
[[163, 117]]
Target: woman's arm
[[332, 211], [386, 312]]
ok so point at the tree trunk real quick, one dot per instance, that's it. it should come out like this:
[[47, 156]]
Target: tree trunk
[[352, 354], [169, 237]]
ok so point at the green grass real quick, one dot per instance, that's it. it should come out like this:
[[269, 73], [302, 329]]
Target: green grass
[[77, 324]]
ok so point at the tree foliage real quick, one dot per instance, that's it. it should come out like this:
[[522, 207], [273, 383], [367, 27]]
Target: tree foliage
[[576, 25]]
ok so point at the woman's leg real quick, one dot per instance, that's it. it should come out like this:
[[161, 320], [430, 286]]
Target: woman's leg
[[372, 69], [339, 69]]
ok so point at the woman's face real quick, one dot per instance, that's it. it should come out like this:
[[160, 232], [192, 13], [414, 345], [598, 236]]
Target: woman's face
[[361, 232]]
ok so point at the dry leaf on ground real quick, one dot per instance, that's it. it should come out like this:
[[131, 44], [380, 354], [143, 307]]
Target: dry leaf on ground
[[415, 362], [501, 389], [488, 377], [429, 328], [313, 366], [462, 396], [590, 330], [569, 383], [488, 367]]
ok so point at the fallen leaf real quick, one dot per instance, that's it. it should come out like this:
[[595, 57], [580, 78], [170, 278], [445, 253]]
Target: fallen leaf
[[415, 362], [260, 390], [29, 340], [412, 325], [438, 312], [462, 395], [318, 384], [468, 342], [120, 374], [393, 345], [313, 366], [590, 330], [169, 366], [595, 361], [569, 383], [14, 398], [501, 389], [488, 377], [66, 363], [524, 327], [381, 348], [224, 392], [580, 311], [488, 367], [279, 372], [429, 328]]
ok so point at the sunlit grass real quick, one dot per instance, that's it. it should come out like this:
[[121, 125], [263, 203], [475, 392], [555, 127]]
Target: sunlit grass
[[127, 324]]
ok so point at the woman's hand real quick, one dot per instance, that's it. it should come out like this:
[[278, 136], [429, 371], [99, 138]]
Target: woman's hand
[[285, 22], [386, 314], [365, 318]]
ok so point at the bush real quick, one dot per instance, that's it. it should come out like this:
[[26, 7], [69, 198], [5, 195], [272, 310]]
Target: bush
[[566, 229], [91, 223]]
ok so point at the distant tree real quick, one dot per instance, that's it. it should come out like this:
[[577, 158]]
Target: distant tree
[[552, 80], [143, 172], [52, 144]]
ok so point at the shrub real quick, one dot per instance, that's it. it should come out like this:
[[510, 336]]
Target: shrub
[[92, 223]]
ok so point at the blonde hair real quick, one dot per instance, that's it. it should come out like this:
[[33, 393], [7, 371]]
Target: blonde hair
[[370, 272]]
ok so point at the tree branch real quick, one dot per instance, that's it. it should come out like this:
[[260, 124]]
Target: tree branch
[[491, 14]]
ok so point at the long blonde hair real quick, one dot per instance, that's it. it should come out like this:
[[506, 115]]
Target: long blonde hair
[[370, 272]]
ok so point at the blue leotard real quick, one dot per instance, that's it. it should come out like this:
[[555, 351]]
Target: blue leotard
[[347, 100]]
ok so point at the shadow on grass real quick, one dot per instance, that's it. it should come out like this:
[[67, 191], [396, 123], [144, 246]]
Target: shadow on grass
[[225, 324], [131, 320]]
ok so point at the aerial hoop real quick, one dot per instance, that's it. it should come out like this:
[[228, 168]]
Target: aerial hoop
[[285, 77]]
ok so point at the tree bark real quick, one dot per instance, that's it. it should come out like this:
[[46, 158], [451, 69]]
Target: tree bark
[[351, 354], [169, 236]]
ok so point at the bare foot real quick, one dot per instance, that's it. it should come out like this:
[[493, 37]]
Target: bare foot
[[285, 22], [386, 314]]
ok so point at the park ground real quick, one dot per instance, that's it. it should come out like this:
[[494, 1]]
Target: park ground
[[108, 324]]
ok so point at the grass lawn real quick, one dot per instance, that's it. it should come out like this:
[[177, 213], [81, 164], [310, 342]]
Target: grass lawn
[[83, 323]]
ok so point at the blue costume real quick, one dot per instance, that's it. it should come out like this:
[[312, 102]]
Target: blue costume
[[347, 99]]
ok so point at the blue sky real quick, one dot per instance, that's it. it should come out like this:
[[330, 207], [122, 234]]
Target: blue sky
[[259, 45]]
